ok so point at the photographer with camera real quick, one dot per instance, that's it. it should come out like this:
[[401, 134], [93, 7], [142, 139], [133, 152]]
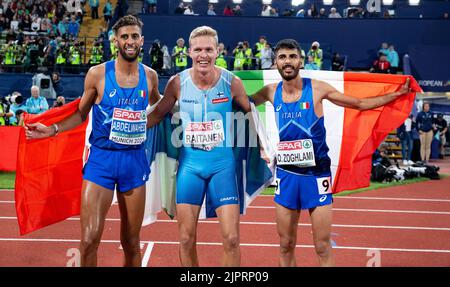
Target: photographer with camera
[[239, 57], [316, 53], [9, 109], [60, 101], [179, 53]]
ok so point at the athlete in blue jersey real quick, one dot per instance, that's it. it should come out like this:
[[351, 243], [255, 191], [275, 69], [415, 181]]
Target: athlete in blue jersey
[[118, 93], [303, 167], [206, 165]]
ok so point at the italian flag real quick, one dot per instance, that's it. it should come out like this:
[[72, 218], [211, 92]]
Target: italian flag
[[352, 135]]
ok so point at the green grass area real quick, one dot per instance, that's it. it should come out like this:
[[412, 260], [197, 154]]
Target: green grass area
[[372, 186], [7, 180]]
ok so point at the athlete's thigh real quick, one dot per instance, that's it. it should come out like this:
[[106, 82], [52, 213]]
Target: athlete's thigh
[[222, 187], [321, 219], [132, 206], [190, 186], [95, 203], [229, 215], [287, 221], [187, 217]]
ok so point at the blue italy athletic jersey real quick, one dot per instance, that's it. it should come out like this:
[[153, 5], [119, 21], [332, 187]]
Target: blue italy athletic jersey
[[206, 128], [119, 122], [297, 121]]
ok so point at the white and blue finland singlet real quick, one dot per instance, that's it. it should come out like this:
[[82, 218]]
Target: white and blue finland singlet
[[206, 128], [119, 122], [302, 148]]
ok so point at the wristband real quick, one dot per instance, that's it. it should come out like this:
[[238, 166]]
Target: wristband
[[55, 126]]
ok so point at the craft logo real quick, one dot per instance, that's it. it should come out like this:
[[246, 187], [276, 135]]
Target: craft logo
[[189, 101]]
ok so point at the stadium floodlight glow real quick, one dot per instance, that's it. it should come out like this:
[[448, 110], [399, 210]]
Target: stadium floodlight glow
[[298, 2], [327, 2], [388, 2], [354, 2], [414, 2], [267, 2]]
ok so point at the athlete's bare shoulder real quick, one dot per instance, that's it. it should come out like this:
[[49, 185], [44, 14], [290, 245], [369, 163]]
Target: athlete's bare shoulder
[[97, 71], [321, 88], [150, 73]]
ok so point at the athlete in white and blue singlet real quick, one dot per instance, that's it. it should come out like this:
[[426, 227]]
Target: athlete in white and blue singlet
[[118, 93], [205, 94], [303, 166]]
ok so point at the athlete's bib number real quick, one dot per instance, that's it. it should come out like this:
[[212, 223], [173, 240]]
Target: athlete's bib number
[[324, 185], [128, 127], [204, 135], [299, 153]]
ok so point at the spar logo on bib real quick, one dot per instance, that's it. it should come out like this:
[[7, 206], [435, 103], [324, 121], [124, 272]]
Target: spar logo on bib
[[128, 115], [199, 127], [292, 145]]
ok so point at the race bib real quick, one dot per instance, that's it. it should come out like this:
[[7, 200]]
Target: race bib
[[204, 135], [299, 153], [128, 127]]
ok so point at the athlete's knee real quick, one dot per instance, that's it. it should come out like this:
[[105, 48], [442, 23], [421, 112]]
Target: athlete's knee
[[130, 243], [287, 244], [323, 247], [89, 243], [231, 241], [187, 240]]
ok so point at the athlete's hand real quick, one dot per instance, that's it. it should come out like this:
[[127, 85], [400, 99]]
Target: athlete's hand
[[404, 89], [38, 131], [264, 155]]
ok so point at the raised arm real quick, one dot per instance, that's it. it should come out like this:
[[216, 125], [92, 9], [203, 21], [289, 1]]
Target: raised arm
[[336, 97], [38, 130], [171, 95]]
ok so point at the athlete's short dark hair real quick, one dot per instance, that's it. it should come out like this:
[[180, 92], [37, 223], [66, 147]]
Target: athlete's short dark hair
[[288, 44], [128, 20]]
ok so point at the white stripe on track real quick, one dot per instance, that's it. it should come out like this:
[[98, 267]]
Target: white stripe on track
[[368, 210], [242, 244], [394, 198], [273, 223], [147, 253]]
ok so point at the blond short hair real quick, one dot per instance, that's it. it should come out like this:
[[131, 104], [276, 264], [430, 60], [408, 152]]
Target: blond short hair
[[204, 31]]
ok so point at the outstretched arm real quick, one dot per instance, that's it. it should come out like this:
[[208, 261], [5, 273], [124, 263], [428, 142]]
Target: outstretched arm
[[339, 99], [171, 95], [38, 130]]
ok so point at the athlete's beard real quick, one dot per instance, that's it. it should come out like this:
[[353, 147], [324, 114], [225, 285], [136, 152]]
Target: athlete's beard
[[126, 57], [291, 76]]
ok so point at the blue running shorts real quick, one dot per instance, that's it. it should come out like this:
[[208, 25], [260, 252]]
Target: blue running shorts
[[298, 191], [124, 169]]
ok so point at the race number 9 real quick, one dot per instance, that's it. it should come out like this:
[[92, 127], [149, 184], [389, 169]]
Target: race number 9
[[324, 185]]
